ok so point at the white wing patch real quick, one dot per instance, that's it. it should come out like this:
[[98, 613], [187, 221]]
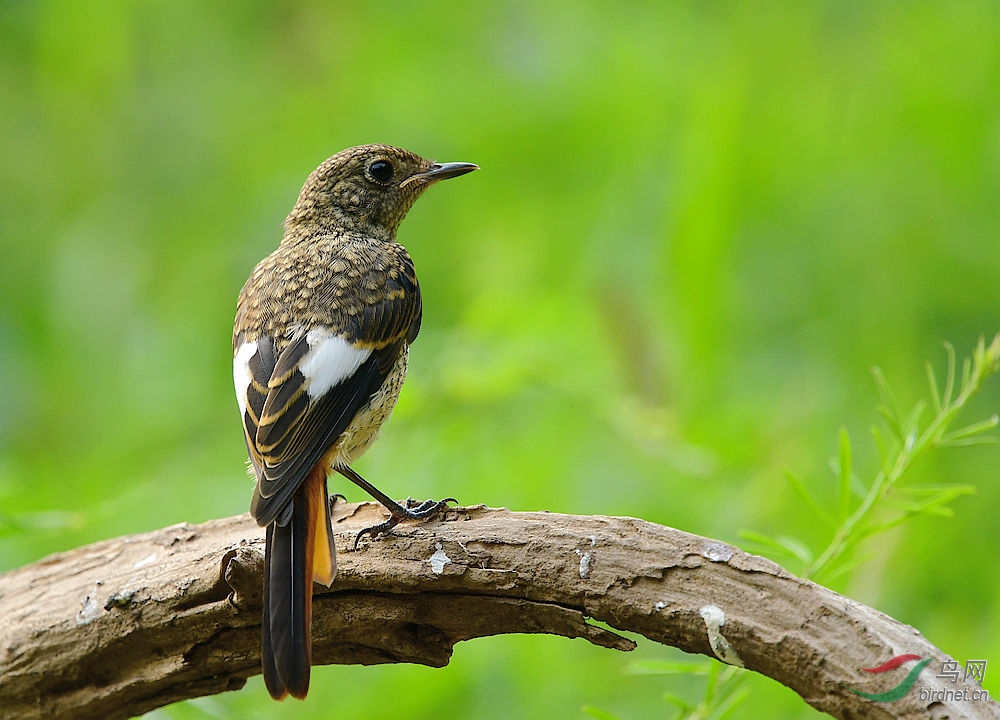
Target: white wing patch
[[241, 373], [330, 361]]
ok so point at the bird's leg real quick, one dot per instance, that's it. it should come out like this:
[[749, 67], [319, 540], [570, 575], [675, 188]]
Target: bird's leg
[[397, 512]]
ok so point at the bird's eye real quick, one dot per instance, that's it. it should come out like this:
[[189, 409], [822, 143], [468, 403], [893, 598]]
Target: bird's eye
[[380, 171]]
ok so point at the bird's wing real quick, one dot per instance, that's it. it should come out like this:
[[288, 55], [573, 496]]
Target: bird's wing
[[297, 402]]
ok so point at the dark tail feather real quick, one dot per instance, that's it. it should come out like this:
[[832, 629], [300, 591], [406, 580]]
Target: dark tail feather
[[286, 646], [275, 685]]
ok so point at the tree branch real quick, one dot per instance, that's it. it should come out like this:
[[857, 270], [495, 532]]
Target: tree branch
[[123, 626]]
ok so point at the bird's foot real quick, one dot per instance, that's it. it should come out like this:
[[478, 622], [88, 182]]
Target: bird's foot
[[376, 530], [426, 508], [334, 498], [409, 511]]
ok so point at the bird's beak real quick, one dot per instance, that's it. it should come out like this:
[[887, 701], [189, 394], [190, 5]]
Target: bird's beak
[[441, 171]]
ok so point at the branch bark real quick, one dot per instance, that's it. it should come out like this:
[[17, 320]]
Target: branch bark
[[120, 627]]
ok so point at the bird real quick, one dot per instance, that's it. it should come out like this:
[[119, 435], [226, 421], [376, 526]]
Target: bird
[[320, 350]]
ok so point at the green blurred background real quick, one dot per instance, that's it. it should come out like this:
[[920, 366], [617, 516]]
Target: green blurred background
[[696, 228]]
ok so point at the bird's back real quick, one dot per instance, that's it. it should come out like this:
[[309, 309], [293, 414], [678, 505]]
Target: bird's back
[[362, 289]]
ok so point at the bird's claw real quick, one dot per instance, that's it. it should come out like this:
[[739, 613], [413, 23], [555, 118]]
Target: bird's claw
[[409, 511], [333, 499], [376, 530]]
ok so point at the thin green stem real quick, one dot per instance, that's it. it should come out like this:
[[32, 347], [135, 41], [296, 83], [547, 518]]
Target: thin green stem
[[911, 445]]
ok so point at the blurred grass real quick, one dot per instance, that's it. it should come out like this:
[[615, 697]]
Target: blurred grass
[[697, 227]]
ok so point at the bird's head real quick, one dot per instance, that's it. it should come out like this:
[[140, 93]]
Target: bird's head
[[368, 188]]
